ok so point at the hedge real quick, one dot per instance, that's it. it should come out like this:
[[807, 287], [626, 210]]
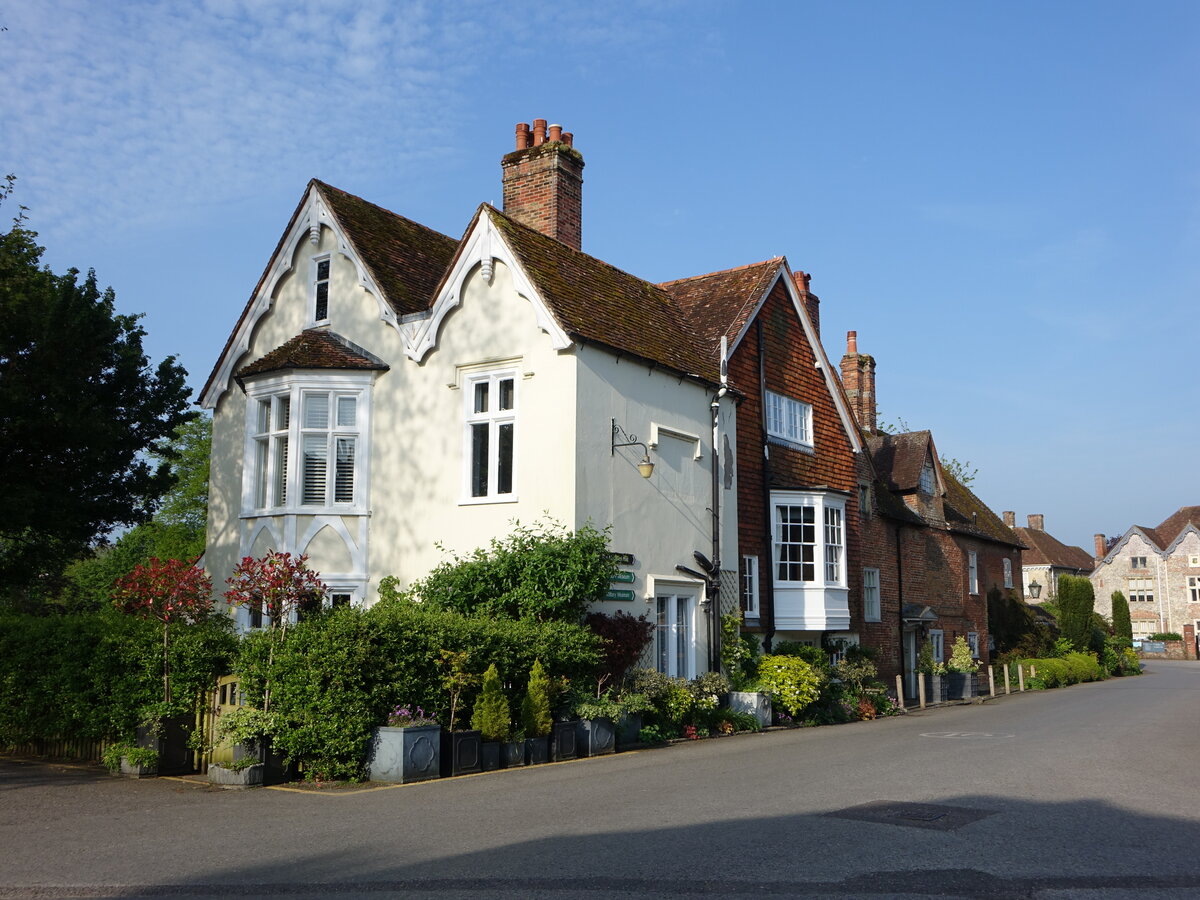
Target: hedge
[[338, 674], [96, 676], [1069, 669]]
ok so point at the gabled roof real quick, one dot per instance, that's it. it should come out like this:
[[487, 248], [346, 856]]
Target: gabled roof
[[720, 304], [595, 301], [406, 259], [1173, 526], [1046, 550], [899, 458], [316, 348]]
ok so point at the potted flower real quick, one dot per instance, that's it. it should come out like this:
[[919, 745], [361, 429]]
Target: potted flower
[[931, 671], [461, 750], [129, 759], [491, 718], [595, 732], [407, 749], [960, 668], [535, 715]]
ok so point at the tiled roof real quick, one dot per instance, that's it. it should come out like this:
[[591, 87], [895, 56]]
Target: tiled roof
[[899, 458], [1164, 535], [720, 303], [1046, 550], [407, 260], [598, 302], [967, 514], [315, 348]]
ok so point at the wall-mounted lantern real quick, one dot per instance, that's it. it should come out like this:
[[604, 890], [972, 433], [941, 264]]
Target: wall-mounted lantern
[[623, 438]]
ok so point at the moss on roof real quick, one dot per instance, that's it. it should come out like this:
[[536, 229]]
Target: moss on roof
[[316, 348]]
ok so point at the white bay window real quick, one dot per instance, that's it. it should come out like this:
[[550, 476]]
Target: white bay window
[[809, 543], [306, 448]]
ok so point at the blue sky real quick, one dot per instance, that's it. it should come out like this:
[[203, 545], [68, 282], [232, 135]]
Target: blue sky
[[1002, 198]]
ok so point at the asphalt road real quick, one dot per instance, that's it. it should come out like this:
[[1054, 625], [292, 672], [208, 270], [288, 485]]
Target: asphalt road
[[1087, 792]]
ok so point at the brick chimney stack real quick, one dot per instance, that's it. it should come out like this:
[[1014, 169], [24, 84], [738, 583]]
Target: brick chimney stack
[[1010, 518], [858, 378], [1037, 522], [812, 303], [1101, 547], [543, 182]]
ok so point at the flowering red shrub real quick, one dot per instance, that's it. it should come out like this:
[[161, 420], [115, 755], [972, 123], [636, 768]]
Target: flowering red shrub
[[278, 584], [169, 591]]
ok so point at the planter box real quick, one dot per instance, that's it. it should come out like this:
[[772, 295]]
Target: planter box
[[405, 755], [489, 756], [512, 754], [959, 685], [133, 770], [236, 779], [275, 769], [595, 737], [174, 757], [935, 690], [756, 703], [462, 753], [628, 727], [537, 750], [562, 741]]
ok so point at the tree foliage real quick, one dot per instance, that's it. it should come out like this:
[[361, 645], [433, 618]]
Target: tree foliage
[[80, 404], [625, 639], [1122, 625], [1076, 602], [542, 572]]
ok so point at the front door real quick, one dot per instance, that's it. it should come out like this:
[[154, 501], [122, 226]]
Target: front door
[[675, 643]]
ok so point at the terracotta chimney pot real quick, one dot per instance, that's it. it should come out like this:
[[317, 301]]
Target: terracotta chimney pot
[[852, 342], [522, 136], [555, 132], [539, 132]]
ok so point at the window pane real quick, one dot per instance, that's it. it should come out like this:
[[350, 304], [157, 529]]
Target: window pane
[[281, 460], [347, 412], [663, 634], [316, 452], [260, 473], [323, 270], [339, 600], [283, 413], [504, 461], [833, 545], [479, 460], [682, 636], [343, 484], [506, 394], [316, 410], [264, 416], [322, 310], [481, 397]]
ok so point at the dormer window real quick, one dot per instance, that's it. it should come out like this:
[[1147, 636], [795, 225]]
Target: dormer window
[[928, 479], [321, 291]]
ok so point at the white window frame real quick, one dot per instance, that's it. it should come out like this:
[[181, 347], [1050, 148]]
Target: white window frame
[[274, 470], [1008, 572], [789, 420], [823, 561], [972, 572], [973, 643], [675, 630], [1194, 562], [1193, 583], [938, 639], [494, 419], [872, 605], [749, 585], [315, 283]]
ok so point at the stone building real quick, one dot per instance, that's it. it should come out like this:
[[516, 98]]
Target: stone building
[[1046, 558]]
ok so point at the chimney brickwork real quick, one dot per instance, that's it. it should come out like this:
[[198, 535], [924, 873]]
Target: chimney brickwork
[[1010, 518], [812, 303], [1037, 522], [543, 182], [1101, 547], [858, 379]]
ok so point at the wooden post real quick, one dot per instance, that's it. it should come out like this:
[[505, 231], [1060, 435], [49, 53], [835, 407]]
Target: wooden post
[[900, 691], [1020, 678], [1007, 688], [991, 681], [921, 690]]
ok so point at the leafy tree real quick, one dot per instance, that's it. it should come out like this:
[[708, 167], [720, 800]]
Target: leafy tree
[[1076, 601], [177, 530], [80, 405], [170, 592], [625, 638], [1121, 625]]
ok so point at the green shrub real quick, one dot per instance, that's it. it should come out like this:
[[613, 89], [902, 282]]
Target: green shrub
[[491, 715], [535, 707], [960, 657], [792, 682], [1166, 636], [1076, 602], [542, 572], [1121, 625]]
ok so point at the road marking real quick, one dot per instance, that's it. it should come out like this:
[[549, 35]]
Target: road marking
[[966, 735]]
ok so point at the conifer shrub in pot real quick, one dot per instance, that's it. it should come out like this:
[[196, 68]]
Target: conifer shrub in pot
[[959, 670], [491, 719], [535, 715]]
